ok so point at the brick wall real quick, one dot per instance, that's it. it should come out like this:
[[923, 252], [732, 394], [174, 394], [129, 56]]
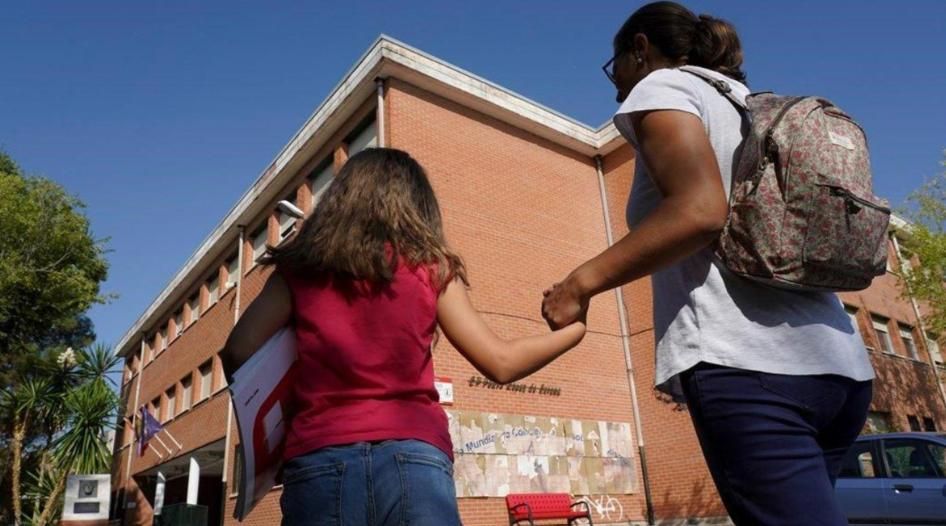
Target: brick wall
[[522, 212]]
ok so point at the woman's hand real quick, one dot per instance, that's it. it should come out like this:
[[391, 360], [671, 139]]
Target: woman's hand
[[564, 303]]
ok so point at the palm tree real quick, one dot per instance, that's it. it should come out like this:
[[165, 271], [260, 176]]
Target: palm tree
[[90, 411], [68, 402], [21, 406]]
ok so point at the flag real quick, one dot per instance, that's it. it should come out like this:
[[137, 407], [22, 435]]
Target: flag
[[145, 428]]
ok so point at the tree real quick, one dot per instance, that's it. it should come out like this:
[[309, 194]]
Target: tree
[[68, 405], [926, 241], [51, 268]]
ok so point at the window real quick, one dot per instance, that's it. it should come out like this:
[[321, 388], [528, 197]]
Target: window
[[178, 322], [233, 272], [859, 462], [258, 241], [287, 221], [237, 469], [186, 388], [877, 422], [929, 425], [171, 396], [163, 334], [194, 304], [914, 423], [206, 378], [883, 336], [319, 182], [912, 458], [213, 290], [155, 408], [933, 346], [366, 138], [906, 334], [852, 314]]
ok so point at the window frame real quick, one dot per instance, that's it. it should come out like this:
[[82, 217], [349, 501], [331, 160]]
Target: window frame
[[909, 343], [262, 232], [888, 472], [192, 301], [882, 325], [319, 181]]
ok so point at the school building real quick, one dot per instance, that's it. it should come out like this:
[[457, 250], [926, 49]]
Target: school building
[[527, 194]]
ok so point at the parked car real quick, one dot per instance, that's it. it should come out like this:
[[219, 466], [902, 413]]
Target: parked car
[[895, 478]]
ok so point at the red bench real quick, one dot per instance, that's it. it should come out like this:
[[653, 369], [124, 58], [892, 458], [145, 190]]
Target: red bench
[[531, 507]]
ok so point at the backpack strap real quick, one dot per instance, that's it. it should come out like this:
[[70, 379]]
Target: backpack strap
[[721, 86]]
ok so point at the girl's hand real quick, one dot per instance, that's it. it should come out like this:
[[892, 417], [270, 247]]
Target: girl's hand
[[564, 304]]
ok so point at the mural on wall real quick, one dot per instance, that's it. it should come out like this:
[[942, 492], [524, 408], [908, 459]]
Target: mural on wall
[[496, 454]]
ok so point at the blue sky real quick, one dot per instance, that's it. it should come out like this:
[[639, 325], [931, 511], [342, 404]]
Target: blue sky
[[160, 114]]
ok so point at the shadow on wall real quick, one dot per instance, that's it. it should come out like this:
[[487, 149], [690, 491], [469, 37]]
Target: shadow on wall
[[702, 501], [905, 387]]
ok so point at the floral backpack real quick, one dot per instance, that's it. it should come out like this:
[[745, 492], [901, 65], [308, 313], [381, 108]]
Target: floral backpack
[[802, 212]]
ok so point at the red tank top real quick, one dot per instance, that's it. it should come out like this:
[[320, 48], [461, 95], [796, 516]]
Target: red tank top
[[365, 371]]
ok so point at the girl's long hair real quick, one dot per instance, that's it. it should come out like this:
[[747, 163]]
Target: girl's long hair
[[379, 211]]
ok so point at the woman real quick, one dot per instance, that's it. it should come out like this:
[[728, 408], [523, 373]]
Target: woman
[[777, 383]]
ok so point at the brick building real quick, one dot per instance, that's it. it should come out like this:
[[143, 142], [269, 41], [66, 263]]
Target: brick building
[[527, 194]]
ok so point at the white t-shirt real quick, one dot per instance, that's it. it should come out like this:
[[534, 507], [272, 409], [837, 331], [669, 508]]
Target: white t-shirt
[[702, 312]]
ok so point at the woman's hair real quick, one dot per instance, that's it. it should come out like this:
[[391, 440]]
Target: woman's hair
[[378, 212], [682, 36]]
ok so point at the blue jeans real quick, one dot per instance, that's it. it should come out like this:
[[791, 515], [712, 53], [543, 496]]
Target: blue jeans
[[396, 482], [773, 442]]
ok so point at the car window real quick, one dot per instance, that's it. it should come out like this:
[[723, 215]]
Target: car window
[[910, 458], [938, 452], [859, 462]]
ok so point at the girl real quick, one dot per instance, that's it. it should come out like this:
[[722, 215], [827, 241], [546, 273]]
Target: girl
[[365, 284], [777, 383]]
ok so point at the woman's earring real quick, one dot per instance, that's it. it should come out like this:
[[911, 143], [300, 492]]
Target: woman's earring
[[640, 60]]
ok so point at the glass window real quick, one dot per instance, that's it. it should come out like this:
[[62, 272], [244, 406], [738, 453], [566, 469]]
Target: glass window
[[233, 272], [914, 423], [186, 394], [172, 399], [366, 138], [179, 322], [213, 290], [929, 424], [206, 378], [287, 221], [906, 334], [194, 304], [859, 462], [933, 346], [883, 336], [319, 182], [912, 458], [258, 241], [877, 422], [164, 337]]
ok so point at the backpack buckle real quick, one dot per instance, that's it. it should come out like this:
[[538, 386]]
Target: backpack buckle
[[721, 86]]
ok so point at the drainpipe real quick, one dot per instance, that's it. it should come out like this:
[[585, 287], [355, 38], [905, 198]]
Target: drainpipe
[[236, 316], [626, 344], [134, 418], [919, 319], [379, 112]]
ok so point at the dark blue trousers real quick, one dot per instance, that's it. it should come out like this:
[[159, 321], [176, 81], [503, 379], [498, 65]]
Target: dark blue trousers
[[773, 442]]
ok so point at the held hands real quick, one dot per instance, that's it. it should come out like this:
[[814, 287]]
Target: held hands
[[564, 304]]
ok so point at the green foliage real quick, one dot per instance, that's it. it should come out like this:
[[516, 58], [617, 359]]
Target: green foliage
[[51, 267], [926, 240]]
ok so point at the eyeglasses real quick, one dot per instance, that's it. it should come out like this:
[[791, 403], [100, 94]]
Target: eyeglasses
[[608, 66]]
